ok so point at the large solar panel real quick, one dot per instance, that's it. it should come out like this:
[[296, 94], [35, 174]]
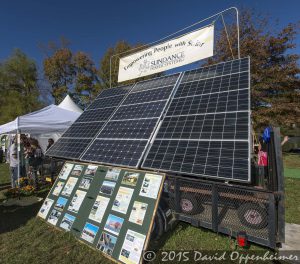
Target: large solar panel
[[76, 139], [124, 138], [206, 130]]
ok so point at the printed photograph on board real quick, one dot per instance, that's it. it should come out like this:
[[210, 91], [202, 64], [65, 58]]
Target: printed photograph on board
[[151, 185], [65, 171], [76, 201], [112, 174], [77, 170], [54, 216], [89, 232], [122, 200], [107, 187], [67, 222], [58, 188], [69, 186], [91, 170], [130, 178], [99, 208], [60, 203], [132, 247], [106, 243], [138, 213], [85, 183], [45, 208], [113, 224]]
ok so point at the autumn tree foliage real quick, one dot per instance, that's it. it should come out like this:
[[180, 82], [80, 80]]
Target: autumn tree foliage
[[275, 83], [18, 86], [71, 73]]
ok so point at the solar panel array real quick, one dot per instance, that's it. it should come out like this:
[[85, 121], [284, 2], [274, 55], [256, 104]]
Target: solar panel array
[[198, 124], [124, 138], [205, 131], [75, 140]]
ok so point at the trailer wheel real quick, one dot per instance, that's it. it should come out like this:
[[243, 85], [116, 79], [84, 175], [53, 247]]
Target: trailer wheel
[[158, 226], [189, 204], [252, 215]]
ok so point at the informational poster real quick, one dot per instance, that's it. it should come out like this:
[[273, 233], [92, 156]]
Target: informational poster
[[54, 216], [112, 174], [67, 222], [114, 224], [69, 186], [89, 232], [85, 183], [77, 170], [91, 170], [64, 173], [151, 185], [76, 201], [58, 187], [99, 208], [107, 187], [130, 178], [132, 248], [109, 208], [60, 204], [107, 243], [138, 213], [45, 208], [122, 200]]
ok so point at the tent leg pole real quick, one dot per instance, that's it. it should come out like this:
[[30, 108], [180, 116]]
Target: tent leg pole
[[18, 153]]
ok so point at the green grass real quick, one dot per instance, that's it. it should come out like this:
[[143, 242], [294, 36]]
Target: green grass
[[291, 165], [4, 173], [292, 200], [291, 161]]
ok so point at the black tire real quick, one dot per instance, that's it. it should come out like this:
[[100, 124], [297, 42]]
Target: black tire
[[158, 226], [252, 215], [189, 204]]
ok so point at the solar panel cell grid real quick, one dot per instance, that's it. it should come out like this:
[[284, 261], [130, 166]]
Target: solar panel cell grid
[[122, 90], [68, 148], [106, 102], [214, 85], [132, 129], [137, 111], [124, 138], [211, 103], [205, 131], [83, 130], [154, 83], [149, 95], [125, 152], [96, 115]]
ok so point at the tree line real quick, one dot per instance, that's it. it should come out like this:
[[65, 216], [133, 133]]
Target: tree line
[[275, 90]]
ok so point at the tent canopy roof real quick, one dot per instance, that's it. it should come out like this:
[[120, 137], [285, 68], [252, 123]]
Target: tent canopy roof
[[69, 104], [51, 119]]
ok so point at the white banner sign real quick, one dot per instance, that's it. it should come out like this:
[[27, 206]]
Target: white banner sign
[[177, 52]]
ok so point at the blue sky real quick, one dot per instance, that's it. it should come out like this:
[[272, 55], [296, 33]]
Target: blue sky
[[93, 26]]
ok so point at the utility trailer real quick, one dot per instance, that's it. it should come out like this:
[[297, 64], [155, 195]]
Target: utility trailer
[[227, 207]]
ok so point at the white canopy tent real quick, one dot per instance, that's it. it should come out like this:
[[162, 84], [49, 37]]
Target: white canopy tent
[[49, 122]]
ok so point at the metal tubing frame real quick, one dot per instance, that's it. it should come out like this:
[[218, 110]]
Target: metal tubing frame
[[181, 30]]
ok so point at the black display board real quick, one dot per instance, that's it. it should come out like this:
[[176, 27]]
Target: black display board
[[109, 208]]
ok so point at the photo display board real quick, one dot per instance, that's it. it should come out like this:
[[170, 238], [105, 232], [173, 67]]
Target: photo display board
[[109, 208]]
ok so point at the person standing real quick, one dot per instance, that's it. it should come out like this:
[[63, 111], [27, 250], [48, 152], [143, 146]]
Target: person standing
[[13, 163]]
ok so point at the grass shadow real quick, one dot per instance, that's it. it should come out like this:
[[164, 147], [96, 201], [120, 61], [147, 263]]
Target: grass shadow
[[12, 217]]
